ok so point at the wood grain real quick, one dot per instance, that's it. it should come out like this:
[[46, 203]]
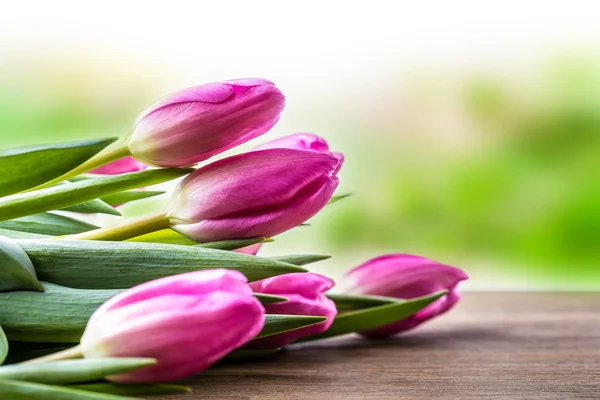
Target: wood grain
[[491, 346]]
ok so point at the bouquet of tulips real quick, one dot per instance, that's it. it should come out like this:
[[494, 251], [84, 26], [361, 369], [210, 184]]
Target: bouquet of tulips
[[111, 312]]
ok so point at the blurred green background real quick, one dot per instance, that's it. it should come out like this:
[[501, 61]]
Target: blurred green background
[[493, 167]]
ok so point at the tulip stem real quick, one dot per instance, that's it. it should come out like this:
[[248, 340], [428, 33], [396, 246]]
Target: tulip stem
[[68, 354], [110, 154], [128, 230]]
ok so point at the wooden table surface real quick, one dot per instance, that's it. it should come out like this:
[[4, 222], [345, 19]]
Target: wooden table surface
[[491, 346]]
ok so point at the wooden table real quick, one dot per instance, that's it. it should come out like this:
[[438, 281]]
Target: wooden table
[[491, 346]]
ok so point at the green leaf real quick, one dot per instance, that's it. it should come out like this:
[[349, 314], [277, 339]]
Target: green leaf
[[22, 235], [374, 317], [116, 199], [165, 236], [344, 302], [337, 198], [61, 196], [233, 244], [73, 371], [18, 390], [300, 259], [279, 323], [26, 167], [59, 314], [16, 270], [169, 236], [96, 206], [269, 298], [3, 346], [131, 390], [47, 224], [118, 265]]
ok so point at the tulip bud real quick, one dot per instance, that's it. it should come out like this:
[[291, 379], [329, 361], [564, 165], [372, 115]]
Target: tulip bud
[[405, 276], [302, 141], [306, 294], [186, 322], [121, 166], [256, 194], [194, 124]]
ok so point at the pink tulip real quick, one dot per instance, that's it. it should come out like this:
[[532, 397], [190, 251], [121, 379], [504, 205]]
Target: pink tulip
[[251, 250], [256, 194], [302, 141], [306, 294], [405, 276], [196, 123], [186, 322], [122, 166]]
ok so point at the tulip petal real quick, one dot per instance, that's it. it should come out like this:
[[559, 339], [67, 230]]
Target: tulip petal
[[267, 178], [303, 141], [400, 275], [122, 166], [194, 124], [187, 322], [305, 293], [207, 93], [263, 222], [298, 141], [435, 309], [405, 276], [308, 285], [188, 283], [189, 340], [251, 82]]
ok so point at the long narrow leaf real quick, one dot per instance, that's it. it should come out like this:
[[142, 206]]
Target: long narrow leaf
[[335, 199], [95, 206], [345, 302], [374, 317], [73, 371], [59, 314], [26, 167], [61, 196], [47, 224], [270, 298], [16, 270], [165, 236], [275, 323], [18, 390], [116, 199], [233, 244], [21, 235], [300, 259], [119, 265], [131, 390], [3, 346], [169, 236]]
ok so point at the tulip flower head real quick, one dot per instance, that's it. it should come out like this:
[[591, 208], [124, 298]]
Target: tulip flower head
[[306, 294], [194, 124], [302, 141], [257, 194], [405, 276], [121, 166], [186, 322]]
